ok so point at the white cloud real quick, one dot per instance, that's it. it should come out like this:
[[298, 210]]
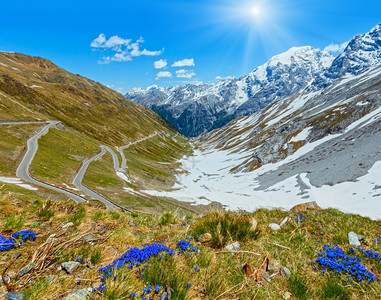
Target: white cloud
[[336, 48], [159, 64], [187, 62], [182, 73], [124, 49], [163, 74]]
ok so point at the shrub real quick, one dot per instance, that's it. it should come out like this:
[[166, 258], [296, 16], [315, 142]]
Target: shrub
[[168, 218], [14, 222], [78, 216], [333, 290], [298, 286], [224, 228]]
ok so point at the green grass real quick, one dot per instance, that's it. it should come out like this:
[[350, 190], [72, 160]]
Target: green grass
[[59, 155], [14, 222], [12, 143]]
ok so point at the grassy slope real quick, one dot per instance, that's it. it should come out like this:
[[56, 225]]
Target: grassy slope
[[12, 142], [60, 154], [218, 273], [101, 177], [152, 163]]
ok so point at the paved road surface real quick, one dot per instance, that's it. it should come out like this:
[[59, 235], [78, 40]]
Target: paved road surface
[[22, 171]]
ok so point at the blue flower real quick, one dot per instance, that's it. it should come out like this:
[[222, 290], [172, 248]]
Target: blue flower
[[188, 284]]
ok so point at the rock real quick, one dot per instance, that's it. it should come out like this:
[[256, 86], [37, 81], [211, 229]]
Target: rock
[[12, 274], [353, 239], [287, 295], [14, 296], [17, 254], [286, 273], [233, 247], [360, 237], [49, 278], [26, 269], [274, 226], [59, 269], [273, 265], [79, 294], [254, 224], [267, 277], [305, 206], [284, 221], [70, 266], [67, 225], [90, 238], [52, 235], [164, 296], [206, 237]]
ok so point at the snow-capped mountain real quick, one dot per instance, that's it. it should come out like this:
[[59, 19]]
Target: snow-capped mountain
[[362, 52], [197, 108], [321, 146]]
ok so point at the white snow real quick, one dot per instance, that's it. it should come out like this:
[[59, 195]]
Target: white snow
[[35, 86], [18, 182], [122, 176], [71, 188], [301, 136]]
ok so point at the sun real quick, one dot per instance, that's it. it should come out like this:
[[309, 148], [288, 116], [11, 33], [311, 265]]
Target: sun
[[255, 11]]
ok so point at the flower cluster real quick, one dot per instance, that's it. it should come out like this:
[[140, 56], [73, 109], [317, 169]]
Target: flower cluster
[[6, 244], [24, 235], [335, 260], [21, 236], [300, 219], [133, 257], [370, 254], [186, 246]]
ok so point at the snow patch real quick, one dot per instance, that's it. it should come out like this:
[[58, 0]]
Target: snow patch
[[18, 182]]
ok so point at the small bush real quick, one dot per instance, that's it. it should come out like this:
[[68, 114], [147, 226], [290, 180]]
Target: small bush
[[14, 222], [46, 214], [115, 215], [96, 256], [224, 228], [78, 216], [168, 218], [298, 286]]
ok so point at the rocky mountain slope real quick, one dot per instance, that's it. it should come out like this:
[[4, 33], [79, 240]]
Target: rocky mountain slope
[[197, 108], [322, 146]]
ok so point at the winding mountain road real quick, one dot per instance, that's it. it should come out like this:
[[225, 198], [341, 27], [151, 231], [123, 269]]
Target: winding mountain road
[[22, 171], [77, 180]]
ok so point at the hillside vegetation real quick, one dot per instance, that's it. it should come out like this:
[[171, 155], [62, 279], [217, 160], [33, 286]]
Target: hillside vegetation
[[185, 255]]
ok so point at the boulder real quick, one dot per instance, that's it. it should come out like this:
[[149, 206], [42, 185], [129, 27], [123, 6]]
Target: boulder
[[274, 226], [79, 294], [353, 239], [233, 247], [206, 237], [26, 269], [273, 265], [14, 296], [70, 266], [305, 206], [67, 225]]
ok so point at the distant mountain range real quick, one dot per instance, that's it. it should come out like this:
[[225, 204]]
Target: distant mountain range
[[197, 108]]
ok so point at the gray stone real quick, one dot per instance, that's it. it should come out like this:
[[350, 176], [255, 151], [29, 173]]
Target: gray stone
[[360, 237], [284, 221], [26, 269], [353, 239], [164, 296], [273, 265], [287, 295], [50, 278], [267, 277], [59, 269], [79, 294], [285, 272], [15, 255], [233, 247], [90, 238], [70, 266], [274, 226], [14, 296], [67, 225]]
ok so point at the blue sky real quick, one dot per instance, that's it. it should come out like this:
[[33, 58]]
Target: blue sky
[[190, 40]]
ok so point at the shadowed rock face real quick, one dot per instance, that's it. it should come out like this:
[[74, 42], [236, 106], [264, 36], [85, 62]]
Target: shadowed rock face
[[197, 108]]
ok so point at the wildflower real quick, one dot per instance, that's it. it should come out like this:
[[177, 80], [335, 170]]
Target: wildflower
[[188, 284], [300, 219], [157, 288], [195, 268], [79, 259]]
